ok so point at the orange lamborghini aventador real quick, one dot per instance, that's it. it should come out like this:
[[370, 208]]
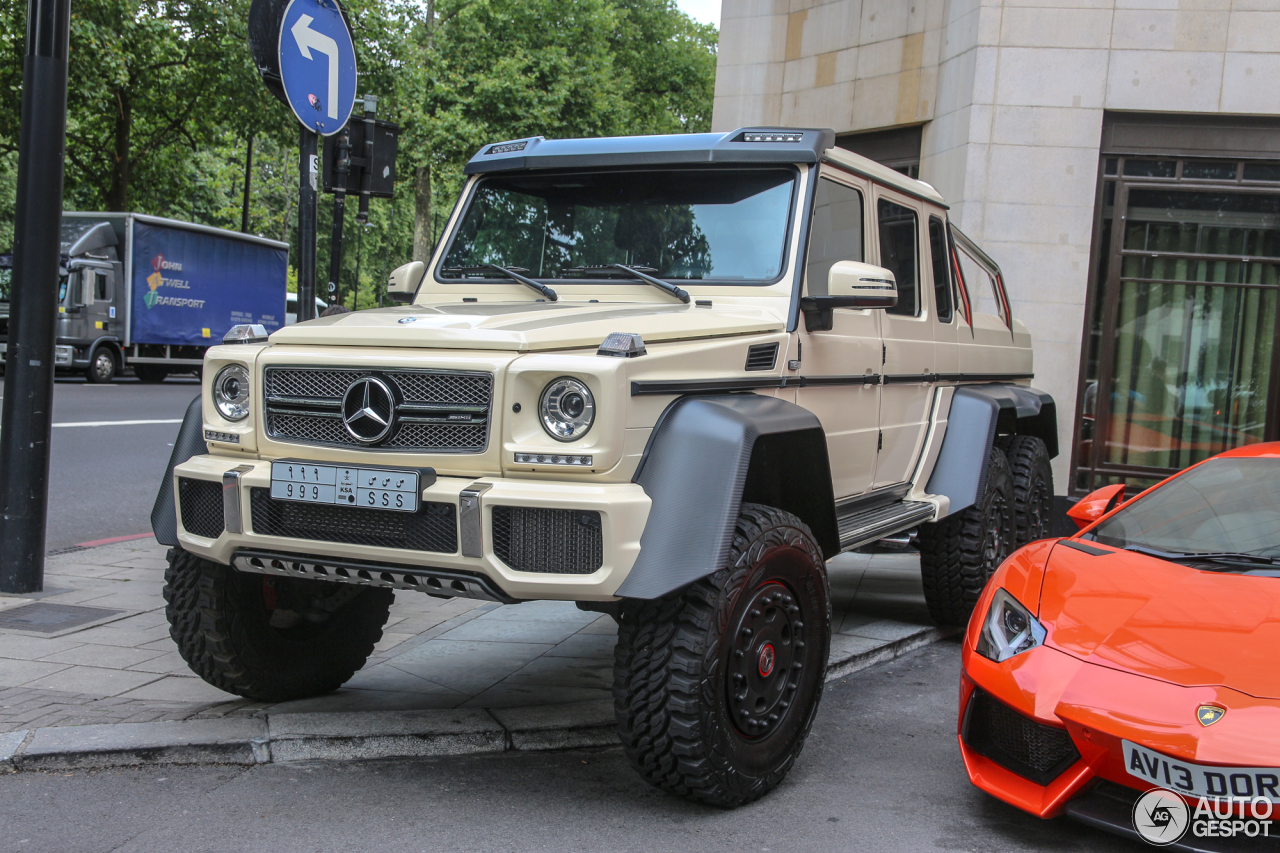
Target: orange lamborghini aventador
[[1142, 653]]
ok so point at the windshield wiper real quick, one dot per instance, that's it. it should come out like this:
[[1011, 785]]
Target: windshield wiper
[[1207, 557], [513, 273], [637, 272]]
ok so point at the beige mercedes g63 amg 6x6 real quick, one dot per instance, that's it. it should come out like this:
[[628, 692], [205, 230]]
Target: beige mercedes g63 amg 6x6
[[665, 377]]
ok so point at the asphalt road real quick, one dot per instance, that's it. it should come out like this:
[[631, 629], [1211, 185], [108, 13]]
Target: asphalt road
[[103, 476], [881, 772]]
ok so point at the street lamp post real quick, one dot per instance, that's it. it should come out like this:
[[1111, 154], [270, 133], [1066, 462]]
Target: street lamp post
[[26, 418]]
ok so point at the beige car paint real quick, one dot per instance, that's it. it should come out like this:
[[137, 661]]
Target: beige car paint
[[526, 343]]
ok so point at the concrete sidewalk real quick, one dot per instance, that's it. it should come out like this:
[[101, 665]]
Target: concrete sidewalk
[[93, 651]]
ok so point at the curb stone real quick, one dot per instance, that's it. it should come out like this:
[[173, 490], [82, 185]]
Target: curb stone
[[362, 735]]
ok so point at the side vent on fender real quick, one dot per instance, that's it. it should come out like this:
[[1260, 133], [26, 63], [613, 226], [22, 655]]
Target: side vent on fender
[[762, 356]]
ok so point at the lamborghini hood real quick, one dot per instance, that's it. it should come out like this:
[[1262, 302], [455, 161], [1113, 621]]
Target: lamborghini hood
[[526, 326], [1158, 619]]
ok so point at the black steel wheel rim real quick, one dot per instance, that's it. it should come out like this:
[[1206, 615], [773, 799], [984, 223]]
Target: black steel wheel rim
[[766, 656]]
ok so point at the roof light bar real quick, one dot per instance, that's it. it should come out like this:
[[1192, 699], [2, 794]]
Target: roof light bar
[[507, 147], [771, 136]]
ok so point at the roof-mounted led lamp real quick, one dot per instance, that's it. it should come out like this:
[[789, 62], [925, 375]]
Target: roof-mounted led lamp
[[771, 136], [622, 345]]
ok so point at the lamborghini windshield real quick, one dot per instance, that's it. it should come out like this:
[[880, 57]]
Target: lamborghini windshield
[[1223, 507], [726, 226]]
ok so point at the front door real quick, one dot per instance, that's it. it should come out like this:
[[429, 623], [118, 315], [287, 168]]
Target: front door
[[908, 334], [834, 361]]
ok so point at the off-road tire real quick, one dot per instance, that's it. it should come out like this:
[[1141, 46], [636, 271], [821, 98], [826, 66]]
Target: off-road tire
[[678, 655], [103, 366], [959, 554], [1032, 486], [150, 373], [221, 622]]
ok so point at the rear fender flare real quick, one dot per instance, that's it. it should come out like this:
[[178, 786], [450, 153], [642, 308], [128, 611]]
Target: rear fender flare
[[978, 414], [706, 455]]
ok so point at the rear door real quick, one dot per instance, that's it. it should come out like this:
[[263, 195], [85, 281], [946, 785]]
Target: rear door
[[907, 331]]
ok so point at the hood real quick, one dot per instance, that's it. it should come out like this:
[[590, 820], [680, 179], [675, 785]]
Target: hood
[[525, 326], [1158, 619]]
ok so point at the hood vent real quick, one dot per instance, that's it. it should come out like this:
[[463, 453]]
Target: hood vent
[[762, 356]]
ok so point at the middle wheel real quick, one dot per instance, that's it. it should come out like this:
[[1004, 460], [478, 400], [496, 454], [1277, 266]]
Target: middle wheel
[[716, 685]]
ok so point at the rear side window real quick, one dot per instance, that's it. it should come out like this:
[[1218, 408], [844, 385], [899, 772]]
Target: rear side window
[[941, 278], [899, 242], [835, 233]]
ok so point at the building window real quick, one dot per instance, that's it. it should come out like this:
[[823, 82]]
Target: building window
[[1180, 361], [899, 149]]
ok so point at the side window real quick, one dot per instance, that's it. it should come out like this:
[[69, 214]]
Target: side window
[[941, 279], [899, 244], [100, 293], [835, 234]]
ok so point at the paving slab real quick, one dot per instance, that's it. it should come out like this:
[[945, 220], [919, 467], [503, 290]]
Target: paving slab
[[237, 741], [381, 734], [571, 726], [9, 744]]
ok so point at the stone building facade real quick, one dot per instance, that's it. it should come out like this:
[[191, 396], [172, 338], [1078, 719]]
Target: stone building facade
[[1119, 158]]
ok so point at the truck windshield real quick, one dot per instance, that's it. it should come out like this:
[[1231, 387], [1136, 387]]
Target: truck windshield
[[1223, 506], [713, 225]]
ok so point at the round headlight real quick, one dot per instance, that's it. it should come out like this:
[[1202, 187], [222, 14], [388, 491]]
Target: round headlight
[[231, 392], [567, 409]]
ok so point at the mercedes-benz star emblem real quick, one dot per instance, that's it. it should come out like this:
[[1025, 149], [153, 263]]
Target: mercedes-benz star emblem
[[368, 410]]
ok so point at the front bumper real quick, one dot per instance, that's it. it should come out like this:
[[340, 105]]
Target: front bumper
[[623, 510], [1099, 707]]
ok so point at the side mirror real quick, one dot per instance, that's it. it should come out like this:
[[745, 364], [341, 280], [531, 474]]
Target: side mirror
[[404, 281], [852, 284], [1096, 504]]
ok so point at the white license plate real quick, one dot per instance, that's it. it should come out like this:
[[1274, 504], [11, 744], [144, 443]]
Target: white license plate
[[366, 488], [1199, 780]]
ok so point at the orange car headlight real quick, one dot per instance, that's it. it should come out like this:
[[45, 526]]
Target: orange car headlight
[[1008, 629]]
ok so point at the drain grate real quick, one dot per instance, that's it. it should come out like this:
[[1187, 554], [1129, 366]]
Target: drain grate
[[52, 618]]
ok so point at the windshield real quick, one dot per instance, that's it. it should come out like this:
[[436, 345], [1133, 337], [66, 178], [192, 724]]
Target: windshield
[[1224, 505], [713, 225]]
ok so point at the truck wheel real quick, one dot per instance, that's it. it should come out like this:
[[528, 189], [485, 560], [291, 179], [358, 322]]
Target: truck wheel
[[960, 553], [716, 685], [268, 638], [150, 373], [1032, 486], [102, 366]]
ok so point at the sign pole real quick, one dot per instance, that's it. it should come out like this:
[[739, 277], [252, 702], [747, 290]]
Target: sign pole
[[307, 175], [28, 393], [342, 153]]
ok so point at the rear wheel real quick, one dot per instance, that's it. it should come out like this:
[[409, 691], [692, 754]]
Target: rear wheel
[[960, 553], [102, 366], [1032, 486], [150, 373], [716, 685], [270, 638]]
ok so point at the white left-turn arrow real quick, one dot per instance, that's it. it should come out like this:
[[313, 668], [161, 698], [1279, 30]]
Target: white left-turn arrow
[[307, 39]]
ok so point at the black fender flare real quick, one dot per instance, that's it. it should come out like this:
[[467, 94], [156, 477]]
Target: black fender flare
[[978, 414], [698, 465], [190, 442]]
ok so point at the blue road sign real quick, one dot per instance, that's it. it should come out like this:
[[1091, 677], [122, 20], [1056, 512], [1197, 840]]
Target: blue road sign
[[317, 64]]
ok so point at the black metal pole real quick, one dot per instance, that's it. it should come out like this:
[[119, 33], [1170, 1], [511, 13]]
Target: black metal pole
[[366, 175], [341, 166], [307, 174], [248, 181], [26, 418]]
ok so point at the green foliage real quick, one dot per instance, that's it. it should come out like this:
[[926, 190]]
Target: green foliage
[[164, 99]]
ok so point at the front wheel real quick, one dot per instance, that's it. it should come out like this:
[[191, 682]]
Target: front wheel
[[716, 685], [102, 366], [268, 638]]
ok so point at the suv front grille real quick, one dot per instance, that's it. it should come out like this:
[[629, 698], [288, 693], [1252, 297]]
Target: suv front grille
[[552, 541], [1017, 743], [200, 502], [437, 411], [432, 528]]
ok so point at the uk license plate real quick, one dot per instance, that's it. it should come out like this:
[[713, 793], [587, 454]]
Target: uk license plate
[[365, 488], [1201, 780]]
